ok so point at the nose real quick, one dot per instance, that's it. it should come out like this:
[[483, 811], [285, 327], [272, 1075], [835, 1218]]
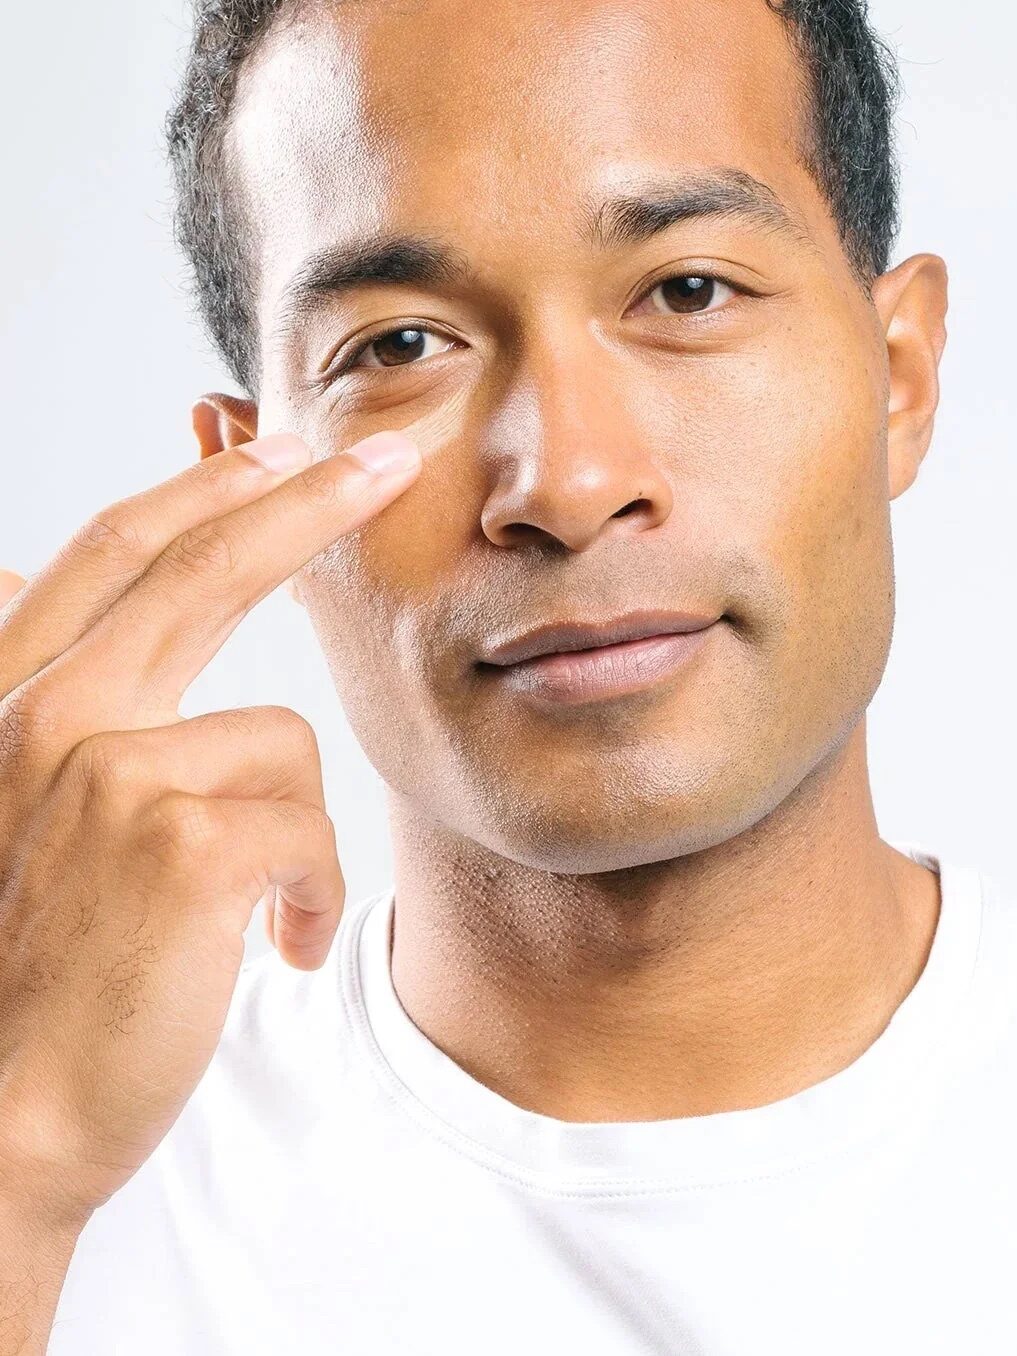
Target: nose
[[571, 464]]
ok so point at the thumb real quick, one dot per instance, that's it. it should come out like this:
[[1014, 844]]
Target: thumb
[[10, 583]]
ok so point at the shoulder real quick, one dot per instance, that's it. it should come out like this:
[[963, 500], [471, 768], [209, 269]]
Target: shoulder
[[997, 943], [987, 1023]]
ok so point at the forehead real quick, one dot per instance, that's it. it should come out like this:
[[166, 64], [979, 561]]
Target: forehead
[[497, 123]]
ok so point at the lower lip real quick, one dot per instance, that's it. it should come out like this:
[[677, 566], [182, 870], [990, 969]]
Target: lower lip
[[607, 671]]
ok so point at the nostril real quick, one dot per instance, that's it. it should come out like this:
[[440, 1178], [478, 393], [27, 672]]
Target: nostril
[[628, 508]]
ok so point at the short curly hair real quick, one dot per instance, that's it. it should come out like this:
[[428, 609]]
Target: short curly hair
[[850, 150]]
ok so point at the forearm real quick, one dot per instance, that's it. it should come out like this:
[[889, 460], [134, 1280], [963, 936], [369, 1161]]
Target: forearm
[[33, 1267]]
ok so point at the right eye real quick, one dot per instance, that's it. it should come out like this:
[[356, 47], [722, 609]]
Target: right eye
[[396, 348]]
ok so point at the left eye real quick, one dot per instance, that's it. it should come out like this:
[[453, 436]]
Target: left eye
[[398, 348], [689, 293]]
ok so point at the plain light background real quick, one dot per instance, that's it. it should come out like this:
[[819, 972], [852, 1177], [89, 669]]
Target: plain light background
[[101, 359]]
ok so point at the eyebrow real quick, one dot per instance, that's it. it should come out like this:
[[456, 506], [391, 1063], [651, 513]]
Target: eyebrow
[[657, 204], [648, 209]]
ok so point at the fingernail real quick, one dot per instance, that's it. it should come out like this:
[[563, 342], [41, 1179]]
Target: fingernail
[[279, 452], [386, 453]]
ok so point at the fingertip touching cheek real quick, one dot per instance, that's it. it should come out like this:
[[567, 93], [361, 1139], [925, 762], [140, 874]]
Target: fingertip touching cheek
[[590, 275]]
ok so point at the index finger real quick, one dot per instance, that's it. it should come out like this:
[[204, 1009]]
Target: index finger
[[141, 656], [115, 547]]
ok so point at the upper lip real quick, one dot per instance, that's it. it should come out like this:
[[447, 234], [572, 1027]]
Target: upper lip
[[559, 637]]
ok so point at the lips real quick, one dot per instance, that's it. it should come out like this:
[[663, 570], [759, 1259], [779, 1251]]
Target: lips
[[566, 637]]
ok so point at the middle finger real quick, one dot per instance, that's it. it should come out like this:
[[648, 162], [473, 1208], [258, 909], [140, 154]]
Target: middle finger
[[133, 667]]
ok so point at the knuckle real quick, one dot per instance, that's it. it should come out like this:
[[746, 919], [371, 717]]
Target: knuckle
[[294, 728], [102, 763], [280, 724], [177, 829], [322, 824], [114, 533], [219, 475], [28, 719], [240, 724], [207, 552], [321, 485]]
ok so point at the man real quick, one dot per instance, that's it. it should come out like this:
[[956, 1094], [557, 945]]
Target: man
[[655, 1046]]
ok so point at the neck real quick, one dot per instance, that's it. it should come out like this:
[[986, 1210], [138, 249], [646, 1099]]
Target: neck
[[723, 979]]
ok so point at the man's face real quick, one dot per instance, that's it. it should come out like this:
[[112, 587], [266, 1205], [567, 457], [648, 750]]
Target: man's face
[[599, 435]]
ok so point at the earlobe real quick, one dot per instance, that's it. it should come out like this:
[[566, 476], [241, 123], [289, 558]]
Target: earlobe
[[911, 301], [221, 421]]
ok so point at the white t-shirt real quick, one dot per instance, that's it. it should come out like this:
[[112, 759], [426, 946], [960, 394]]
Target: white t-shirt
[[337, 1184]]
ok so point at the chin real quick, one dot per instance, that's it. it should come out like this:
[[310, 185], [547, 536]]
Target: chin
[[605, 834], [578, 856]]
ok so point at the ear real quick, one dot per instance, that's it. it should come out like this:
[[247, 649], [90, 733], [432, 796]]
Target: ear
[[911, 301], [223, 421]]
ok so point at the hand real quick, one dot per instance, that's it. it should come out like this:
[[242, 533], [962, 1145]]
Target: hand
[[134, 845]]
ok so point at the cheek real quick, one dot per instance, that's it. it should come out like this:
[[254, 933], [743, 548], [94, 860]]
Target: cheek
[[780, 455], [781, 450], [403, 556], [819, 518], [376, 598], [831, 519]]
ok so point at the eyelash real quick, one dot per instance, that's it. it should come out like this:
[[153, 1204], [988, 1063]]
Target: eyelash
[[333, 373]]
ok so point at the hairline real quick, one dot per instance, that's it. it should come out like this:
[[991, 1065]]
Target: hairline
[[238, 208]]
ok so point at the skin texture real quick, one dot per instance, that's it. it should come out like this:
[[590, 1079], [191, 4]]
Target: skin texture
[[675, 902]]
